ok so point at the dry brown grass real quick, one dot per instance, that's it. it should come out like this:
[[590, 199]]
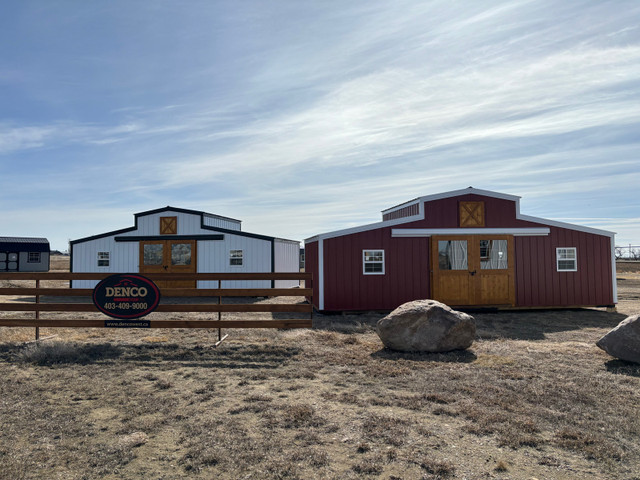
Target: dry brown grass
[[533, 397]]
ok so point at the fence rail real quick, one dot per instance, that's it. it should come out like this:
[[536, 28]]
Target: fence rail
[[40, 299], [156, 276]]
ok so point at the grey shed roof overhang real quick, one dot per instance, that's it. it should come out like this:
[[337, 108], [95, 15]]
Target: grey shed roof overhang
[[23, 244]]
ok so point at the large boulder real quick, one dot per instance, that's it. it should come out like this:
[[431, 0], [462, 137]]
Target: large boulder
[[623, 342], [426, 326]]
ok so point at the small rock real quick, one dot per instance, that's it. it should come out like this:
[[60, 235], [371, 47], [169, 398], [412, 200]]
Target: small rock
[[134, 439]]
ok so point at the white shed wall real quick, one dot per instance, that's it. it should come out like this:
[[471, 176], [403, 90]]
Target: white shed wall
[[188, 224], [287, 259], [123, 258], [213, 257]]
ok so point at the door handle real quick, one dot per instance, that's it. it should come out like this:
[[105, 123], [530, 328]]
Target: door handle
[[167, 266], [472, 273]]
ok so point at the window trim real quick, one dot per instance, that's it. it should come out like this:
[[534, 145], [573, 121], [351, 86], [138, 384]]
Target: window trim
[[366, 262], [574, 259], [102, 257], [37, 255], [241, 258]]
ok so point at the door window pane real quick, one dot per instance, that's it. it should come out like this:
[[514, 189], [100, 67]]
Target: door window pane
[[452, 255], [153, 254], [493, 255], [180, 254]]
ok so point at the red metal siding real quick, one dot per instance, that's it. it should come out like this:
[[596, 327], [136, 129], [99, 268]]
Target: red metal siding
[[406, 275], [539, 284], [311, 266], [402, 212], [444, 213]]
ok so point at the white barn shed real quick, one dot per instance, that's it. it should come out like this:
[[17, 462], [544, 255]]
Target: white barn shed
[[177, 240]]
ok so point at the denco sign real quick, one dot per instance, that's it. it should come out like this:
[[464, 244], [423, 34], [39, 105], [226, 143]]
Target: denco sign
[[126, 296]]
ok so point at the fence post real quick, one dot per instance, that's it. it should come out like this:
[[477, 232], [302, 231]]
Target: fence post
[[219, 316], [37, 311]]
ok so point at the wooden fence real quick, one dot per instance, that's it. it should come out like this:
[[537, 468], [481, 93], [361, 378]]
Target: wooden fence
[[41, 300]]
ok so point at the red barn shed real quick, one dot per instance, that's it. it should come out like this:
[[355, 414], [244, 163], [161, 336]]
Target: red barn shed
[[468, 247]]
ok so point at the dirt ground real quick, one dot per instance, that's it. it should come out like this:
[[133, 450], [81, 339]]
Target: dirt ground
[[533, 398]]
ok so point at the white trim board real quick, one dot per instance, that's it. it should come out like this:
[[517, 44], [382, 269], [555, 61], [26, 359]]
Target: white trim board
[[321, 275]]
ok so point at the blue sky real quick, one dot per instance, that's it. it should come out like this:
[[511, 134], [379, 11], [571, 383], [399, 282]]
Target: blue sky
[[301, 117]]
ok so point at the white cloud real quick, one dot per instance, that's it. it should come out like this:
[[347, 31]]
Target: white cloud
[[395, 113], [12, 139]]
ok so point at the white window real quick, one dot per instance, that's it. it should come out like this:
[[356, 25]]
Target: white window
[[34, 257], [103, 259], [235, 258], [567, 259], [373, 262]]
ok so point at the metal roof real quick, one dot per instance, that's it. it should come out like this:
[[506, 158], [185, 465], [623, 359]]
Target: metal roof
[[239, 233], [185, 210], [23, 240], [24, 244]]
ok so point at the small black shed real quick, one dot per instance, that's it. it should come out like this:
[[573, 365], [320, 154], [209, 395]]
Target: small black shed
[[24, 254]]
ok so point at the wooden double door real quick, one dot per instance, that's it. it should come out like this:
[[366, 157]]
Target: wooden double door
[[473, 270], [169, 256]]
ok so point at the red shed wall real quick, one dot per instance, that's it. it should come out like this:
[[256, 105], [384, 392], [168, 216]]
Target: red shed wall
[[406, 275], [539, 284], [444, 213]]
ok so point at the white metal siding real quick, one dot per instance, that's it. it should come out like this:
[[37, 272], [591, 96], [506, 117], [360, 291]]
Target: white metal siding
[[123, 258], [213, 257], [287, 259], [188, 224], [211, 221]]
